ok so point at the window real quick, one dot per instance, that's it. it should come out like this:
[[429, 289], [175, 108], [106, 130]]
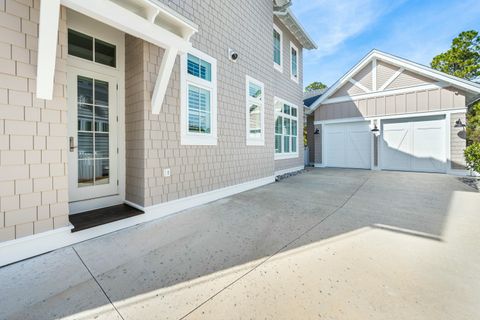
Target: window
[[277, 48], [198, 99], [286, 130], [255, 112], [293, 62], [86, 47]]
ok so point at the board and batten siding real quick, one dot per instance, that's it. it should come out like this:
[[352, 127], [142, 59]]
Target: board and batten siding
[[285, 88], [33, 132], [411, 102]]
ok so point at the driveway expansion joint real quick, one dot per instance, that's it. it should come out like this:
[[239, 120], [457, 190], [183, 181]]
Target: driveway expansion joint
[[279, 250], [98, 283]]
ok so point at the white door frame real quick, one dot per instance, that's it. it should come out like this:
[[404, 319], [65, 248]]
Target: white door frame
[[96, 29]]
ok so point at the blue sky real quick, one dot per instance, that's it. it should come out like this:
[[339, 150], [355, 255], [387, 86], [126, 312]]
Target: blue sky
[[346, 30]]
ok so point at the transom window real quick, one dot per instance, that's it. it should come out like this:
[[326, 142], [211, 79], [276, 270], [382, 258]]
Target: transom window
[[286, 129], [255, 112], [198, 123], [86, 47], [277, 48], [293, 62]]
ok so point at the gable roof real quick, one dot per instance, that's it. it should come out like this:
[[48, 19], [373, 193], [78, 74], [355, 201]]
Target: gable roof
[[469, 86]]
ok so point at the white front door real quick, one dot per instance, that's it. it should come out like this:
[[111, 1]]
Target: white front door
[[92, 126], [415, 144], [348, 145]]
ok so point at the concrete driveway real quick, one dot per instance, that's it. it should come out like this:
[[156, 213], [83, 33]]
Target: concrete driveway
[[326, 244]]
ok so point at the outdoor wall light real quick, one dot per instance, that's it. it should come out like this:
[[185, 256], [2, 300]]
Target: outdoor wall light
[[459, 124], [317, 131], [375, 128]]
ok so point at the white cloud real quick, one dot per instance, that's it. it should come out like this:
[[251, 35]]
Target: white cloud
[[331, 23]]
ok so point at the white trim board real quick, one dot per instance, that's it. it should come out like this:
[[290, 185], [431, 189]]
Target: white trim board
[[393, 116], [27, 247], [289, 170], [386, 93]]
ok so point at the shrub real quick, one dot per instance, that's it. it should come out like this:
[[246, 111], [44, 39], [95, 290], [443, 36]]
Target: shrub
[[472, 156]]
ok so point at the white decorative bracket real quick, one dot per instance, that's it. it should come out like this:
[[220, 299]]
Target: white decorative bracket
[[163, 78], [47, 47]]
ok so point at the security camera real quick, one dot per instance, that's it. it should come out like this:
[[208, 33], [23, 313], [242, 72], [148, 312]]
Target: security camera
[[232, 55]]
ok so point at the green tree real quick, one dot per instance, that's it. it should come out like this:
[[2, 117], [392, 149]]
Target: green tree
[[463, 58], [315, 86], [473, 123]]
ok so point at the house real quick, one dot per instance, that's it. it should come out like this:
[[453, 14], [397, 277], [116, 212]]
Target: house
[[389, 113], [161, 105]]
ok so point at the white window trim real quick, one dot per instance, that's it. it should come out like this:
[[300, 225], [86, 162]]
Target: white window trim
[[254, 140], [289, 155], [292, 46], [190, 138], [279, 67]]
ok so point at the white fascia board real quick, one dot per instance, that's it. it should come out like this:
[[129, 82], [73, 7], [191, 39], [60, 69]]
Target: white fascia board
[[128, 22], [47, 48]]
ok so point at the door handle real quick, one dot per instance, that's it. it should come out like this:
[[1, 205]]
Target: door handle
[[72, 144]]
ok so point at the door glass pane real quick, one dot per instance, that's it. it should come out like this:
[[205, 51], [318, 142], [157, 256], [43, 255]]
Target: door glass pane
[[102, 171], [101, 145], [85, 173], [85, 145], [294, 127], [101, 93], [294, 144], [105, 53], [85, 90], [286, 109], [80, 45], [101, 119], [294, 112], [93, 140], [85, 117]]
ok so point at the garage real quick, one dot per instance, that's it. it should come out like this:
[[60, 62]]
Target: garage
[[414, 144], [348, 145], [389, 113]]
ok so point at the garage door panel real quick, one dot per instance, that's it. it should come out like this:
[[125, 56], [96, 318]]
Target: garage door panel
[[397, 146], [360, 142], [429, 147], [348, 145], [414, 145], [335, 148]]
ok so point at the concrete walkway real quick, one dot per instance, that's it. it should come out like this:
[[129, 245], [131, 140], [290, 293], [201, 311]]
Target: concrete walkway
[[327, 244]]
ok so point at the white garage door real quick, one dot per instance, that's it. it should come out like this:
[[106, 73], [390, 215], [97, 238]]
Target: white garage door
[[348, 145], [415, 144]]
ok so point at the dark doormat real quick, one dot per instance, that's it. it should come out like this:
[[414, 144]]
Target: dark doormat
[[97, 217]]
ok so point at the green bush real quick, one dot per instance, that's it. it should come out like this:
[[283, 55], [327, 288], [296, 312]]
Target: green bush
[[472, 156]]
